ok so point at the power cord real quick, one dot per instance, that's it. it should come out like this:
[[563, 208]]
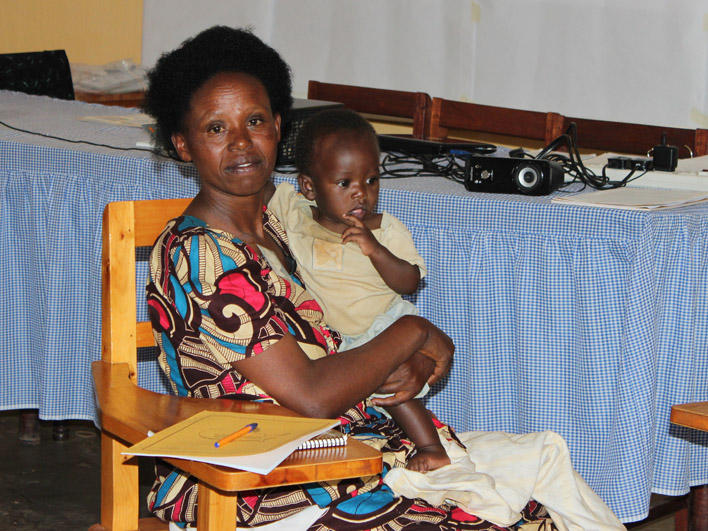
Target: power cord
[[573, 165], [87, 142], [451, 164]]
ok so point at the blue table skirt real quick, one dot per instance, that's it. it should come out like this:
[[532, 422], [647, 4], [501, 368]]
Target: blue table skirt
[[589, 322]]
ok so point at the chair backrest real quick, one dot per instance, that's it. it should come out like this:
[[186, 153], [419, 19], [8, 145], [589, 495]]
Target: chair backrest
[[449, 114], [638, 139], [44, 73], [377, 101], [128, 225]]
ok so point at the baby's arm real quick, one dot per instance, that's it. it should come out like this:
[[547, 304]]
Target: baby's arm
[[399, 275], [415, 420]]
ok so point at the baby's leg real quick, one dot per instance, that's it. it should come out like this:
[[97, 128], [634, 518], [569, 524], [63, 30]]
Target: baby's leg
[[415, 420]]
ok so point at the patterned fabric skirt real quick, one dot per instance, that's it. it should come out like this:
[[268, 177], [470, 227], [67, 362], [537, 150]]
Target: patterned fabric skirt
[[352, 504]]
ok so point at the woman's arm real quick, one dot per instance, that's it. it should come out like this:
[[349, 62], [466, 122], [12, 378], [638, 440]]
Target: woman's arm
[[328, 386]]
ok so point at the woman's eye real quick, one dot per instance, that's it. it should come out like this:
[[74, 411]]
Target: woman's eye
[[255, 121], [216, 128]]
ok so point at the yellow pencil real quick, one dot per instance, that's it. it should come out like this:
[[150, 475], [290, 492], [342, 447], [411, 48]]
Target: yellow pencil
[[248, 428]]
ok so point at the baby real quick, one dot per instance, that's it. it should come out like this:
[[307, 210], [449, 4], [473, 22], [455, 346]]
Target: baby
[[354, 261]]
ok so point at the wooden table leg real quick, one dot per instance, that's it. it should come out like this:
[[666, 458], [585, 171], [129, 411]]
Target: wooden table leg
[[699, 508], [216, 510]]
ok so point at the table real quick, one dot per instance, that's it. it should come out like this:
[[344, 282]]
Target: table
[[589, 322]]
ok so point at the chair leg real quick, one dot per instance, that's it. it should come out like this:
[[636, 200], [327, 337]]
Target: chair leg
[[28, 432], [699, 508], [216, 510], [119, 486], [681, 519], [60, 430]]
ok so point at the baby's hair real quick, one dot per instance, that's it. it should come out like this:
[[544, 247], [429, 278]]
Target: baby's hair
[[178, 74], [322, 124]]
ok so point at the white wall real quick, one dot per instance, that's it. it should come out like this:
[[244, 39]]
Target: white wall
[[643, 61]]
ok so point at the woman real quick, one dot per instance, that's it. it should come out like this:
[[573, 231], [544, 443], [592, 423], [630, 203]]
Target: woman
[[229, 326]]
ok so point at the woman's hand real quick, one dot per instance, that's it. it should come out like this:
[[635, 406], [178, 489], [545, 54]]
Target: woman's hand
[[428, 364], [440, 348], [406, 380]]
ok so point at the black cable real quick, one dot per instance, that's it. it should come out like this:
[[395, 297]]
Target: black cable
[[78, 141], [399, 165], [572, 164]]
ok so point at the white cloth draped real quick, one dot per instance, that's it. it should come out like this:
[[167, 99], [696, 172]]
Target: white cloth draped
[[500, 472]]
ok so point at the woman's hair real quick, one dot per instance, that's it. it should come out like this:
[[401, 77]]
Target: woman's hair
[[322, 124], [178, 74]]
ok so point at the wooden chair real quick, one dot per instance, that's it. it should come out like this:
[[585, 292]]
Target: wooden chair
[[636, 139], [517, 123], [377, 101], [128, 412], [694, 415]]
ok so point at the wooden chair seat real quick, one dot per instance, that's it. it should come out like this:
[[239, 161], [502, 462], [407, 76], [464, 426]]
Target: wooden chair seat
[[128, 412]]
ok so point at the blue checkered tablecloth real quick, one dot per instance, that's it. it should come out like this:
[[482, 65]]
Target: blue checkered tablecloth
[[586, 321]]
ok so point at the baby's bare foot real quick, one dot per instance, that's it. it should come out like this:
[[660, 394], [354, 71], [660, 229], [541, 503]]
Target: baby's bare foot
[[428, 458]]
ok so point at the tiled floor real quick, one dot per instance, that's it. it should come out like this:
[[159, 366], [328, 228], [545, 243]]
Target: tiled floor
[[54, 485]]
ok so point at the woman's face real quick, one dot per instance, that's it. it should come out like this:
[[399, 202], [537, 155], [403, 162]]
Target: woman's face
[[231, 135]]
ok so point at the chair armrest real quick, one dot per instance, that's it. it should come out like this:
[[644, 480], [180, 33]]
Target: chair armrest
[[128, 412]]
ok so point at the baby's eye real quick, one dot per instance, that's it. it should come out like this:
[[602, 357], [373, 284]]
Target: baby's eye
[[372, 180], [343, 183]]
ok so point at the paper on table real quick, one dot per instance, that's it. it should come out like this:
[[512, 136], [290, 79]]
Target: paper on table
[[693, 164], [260, 451], [635, 198]]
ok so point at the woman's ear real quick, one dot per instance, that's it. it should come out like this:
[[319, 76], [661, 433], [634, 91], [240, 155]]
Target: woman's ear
[[180, 145], [307, 187]]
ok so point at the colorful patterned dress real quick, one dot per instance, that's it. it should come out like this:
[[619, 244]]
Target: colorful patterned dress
[[214, 300]]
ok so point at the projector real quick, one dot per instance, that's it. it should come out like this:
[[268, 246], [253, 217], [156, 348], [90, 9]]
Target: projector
[[509, 175]]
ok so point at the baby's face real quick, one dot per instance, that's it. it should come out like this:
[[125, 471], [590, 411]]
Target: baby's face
[[346, 179]]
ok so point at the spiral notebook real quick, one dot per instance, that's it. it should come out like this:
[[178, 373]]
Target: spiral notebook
[[326, 440]]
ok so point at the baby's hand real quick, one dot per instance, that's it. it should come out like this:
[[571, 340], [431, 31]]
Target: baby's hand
[[361, 235]]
